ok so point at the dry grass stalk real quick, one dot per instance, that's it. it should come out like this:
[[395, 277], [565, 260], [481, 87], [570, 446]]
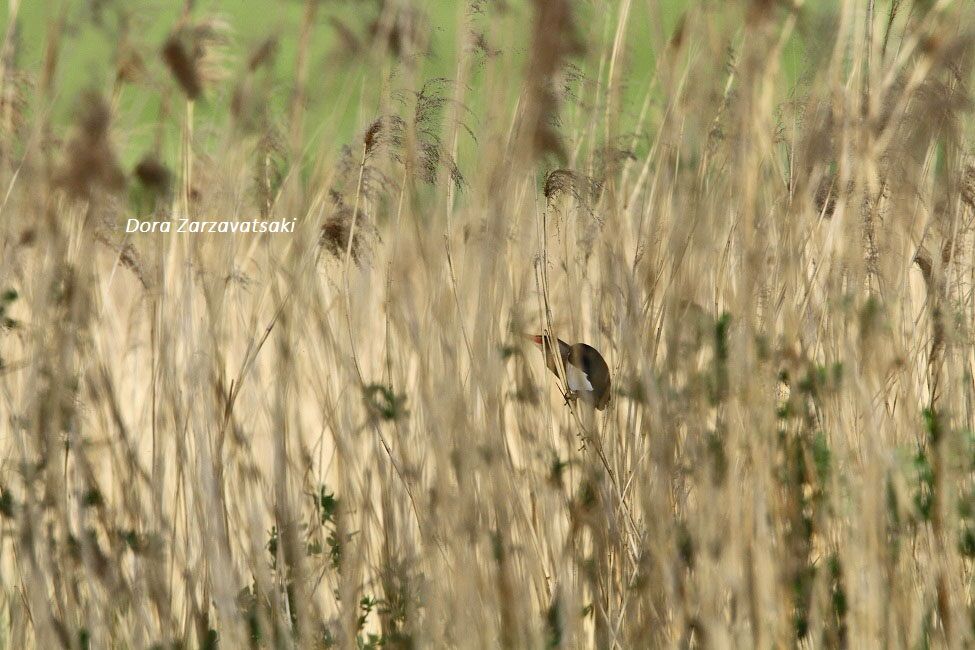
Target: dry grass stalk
[[243, 447]]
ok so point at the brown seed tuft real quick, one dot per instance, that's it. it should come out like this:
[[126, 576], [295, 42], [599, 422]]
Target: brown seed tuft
[[404, 32], [371, 137], [191, 52], [968, 185], [335, 233], [181, 63], [580, 186], [90, 162], [555, 39], [153, 174]]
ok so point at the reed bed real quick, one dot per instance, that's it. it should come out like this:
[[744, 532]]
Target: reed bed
[[341, 436]]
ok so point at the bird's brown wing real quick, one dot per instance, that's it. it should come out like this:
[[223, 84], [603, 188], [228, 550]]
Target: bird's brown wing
[[589, 361]]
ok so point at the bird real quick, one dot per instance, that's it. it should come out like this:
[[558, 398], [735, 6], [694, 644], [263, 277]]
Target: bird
[[586, 372]]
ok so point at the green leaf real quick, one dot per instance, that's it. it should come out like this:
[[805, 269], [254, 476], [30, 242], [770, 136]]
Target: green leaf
[[383, 403]]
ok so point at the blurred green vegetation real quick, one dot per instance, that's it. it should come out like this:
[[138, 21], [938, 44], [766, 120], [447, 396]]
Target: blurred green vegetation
[[343, 90]]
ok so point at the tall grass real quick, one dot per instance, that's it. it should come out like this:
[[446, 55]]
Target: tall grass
[[342, 437]]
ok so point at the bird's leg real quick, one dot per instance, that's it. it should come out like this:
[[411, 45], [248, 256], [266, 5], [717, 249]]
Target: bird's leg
[[584, 439], [571, 399]]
